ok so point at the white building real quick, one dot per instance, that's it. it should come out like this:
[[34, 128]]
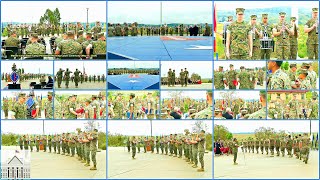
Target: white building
[[15, 168]]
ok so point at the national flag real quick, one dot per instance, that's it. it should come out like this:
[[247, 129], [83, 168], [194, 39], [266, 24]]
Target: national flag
[[215, 27]]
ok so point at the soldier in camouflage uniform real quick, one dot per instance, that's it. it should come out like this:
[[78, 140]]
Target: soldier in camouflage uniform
[[231, 77], [244, 79], [314, 107], [96, 106], [186, 77], [19, 109], [71, 108], [35, 48], [256, 35], [118, 108], [220, 79], [293, 107], [76, 77], [305, 150], [293, 40], [289, 146], [281, 31], [48, 107], [262, 113], [67, 77], [312, 75], [206, 113], [266, 30], [311, 27], [88, 110], [292, 73], [69, 46], [304, 82], [96, 30], [239, 38], [80, 38], [181, 77], [279, 79], [12, 41], [99, 46]]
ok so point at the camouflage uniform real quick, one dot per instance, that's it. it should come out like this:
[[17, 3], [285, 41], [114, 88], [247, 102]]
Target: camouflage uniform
[[35, 49], [219, 78], [283, 41], [48, 109], [244, 79], [312, 41], [294, 42], [69, 47], [231, 76], [239, 42], [12, 42], [99, 47], [19, 110], [279, 80]]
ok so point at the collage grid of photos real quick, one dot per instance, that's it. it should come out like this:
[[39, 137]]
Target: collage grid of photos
[[159, 89], [266, 70]]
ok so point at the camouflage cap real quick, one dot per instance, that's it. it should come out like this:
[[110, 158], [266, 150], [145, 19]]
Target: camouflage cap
[[80, 32], [231, 65], [293, 18], [89, 33], [264, 15], [97, 21], [13, 32], [253, 16], [149, 93], [221, 67], [293, 65], [94, 96], [132, 95], [305, 64], [230, 17], [217, 110], [21, 95], [241, 67], [314, 9], [88, 100], [34, 35], [119, 94], [31, 93], [282, 13], [240, 10], [100, 35], [314, 95], [70, 33], [303, 71], [50, 93]]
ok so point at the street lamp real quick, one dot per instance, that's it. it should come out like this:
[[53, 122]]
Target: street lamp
[[87, 18]]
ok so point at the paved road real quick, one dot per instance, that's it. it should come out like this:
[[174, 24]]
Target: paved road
[[84, 85], [147, 165], [263, 166], [50, 165]]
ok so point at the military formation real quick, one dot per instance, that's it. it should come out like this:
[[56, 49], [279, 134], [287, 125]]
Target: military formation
[[304, 78], [294, 108], [67, 42], [83, 144], [275, 145], [133, 29], [256, 41], [28, 107], [77, 77], [72, 107], [130, 106], [182, 79], [191, 146], [246, 78]]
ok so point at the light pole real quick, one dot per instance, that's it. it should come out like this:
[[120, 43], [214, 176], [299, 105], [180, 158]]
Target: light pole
[[87, 18]]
